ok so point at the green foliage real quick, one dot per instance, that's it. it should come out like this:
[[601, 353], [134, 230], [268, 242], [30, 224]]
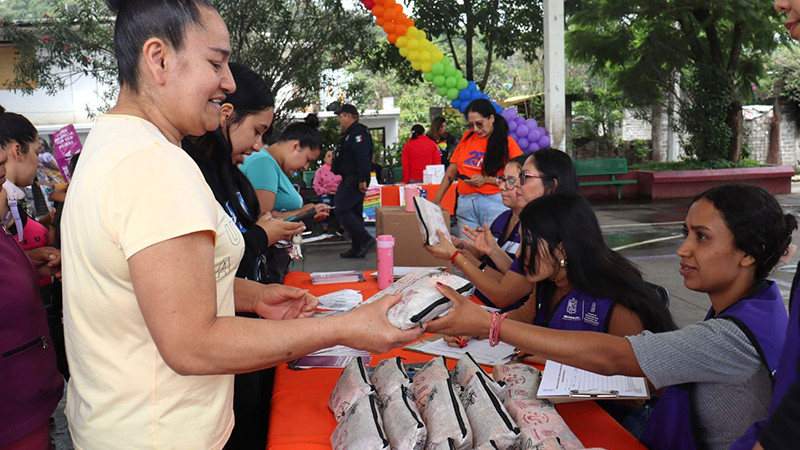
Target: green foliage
[[292, 44], [784, 69], [25, 9], [694, 164], [390, 156], [704, 115], [644, 45]]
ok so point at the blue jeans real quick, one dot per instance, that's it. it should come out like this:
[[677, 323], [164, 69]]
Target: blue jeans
[[474, 210]]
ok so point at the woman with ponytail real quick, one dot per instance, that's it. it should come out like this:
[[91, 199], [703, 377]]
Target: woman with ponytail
[[150, 256], [420, 151], [246, 116], [477, 161]]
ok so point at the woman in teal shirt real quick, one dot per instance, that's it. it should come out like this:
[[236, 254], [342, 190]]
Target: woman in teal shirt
[[268, 170]]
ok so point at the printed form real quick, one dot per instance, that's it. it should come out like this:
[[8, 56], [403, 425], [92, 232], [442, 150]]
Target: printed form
[[563, 381]]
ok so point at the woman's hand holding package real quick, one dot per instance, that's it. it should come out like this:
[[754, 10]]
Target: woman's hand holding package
[[370, 329], [279, 302], [443, 250], [465, 318]]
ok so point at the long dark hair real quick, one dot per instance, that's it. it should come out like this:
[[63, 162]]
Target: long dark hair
[[139, 20], [567, 218], [251, 97], [417, 130], [757, 222], [496, 155], [16, 127], [557, 168]]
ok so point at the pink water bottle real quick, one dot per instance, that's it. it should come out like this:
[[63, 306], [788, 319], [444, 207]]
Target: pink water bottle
[[410, 191], [385, 260]]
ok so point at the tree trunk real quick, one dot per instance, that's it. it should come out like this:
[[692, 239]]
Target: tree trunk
[[468, 36], [774, 147], [735, 121], [656, 131]]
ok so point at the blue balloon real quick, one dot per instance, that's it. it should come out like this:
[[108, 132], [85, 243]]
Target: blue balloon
[[498, 109], [456, 104], [472, 86], [464, 95]]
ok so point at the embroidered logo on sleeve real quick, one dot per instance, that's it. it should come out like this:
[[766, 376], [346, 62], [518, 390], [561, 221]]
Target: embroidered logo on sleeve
[[359, 139]]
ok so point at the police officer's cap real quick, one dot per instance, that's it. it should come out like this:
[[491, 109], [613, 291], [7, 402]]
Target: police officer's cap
[[347, 108]]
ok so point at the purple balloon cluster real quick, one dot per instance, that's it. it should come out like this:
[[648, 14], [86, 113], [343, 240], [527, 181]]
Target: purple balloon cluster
[[529, 135]]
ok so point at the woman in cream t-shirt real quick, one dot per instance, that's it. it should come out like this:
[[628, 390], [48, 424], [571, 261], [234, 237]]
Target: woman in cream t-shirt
[[149, 256]]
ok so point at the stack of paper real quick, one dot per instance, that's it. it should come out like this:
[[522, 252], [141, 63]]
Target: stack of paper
[[343, 300], [480, 350], [561, 383], [433, 174], [337, 356], [344, 276]]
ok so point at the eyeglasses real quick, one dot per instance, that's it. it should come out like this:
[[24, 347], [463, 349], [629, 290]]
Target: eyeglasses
[[524, 175], [508, 182]]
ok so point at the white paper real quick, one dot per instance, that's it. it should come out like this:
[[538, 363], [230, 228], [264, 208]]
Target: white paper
[[479, 349], [559, 380], [429, 216], [343, 300], [321, 237]]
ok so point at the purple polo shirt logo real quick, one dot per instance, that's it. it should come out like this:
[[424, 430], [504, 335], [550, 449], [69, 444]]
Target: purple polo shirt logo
[[572, 306]]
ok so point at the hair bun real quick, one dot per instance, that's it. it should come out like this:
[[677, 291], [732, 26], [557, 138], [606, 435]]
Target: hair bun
[[116, 5]]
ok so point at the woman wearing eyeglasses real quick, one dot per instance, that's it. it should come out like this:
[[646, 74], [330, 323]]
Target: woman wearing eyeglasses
[[479, 158], [525, 179]]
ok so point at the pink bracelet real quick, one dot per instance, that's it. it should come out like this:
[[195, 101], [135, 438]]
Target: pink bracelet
[[494, 331]]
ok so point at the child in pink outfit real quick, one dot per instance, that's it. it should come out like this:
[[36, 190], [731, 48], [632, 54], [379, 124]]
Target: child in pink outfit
[[326, 183]]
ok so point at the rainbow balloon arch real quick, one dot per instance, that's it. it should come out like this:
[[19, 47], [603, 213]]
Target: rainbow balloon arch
[[424, 56]]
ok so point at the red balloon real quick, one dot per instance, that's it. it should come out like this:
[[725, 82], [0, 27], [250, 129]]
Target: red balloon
[[369, 4]]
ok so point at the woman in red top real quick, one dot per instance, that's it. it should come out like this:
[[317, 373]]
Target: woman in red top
[[419, 151], [477, 161]]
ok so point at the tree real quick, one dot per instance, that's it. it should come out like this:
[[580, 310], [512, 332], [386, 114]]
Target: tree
[[24, 9], [504, 27], [290, 43], [716, 50]]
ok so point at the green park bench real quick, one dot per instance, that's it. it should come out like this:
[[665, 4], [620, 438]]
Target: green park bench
[[603, 166]]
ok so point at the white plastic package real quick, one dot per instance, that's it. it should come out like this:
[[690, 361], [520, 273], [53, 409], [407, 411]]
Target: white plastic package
[[421, 300], [446, 419], [467, 367], [426, 379], [389, 376], [487, 416], [402, 421], [352, 386], [539, 421], [361, 427], [429, 216], [521, 381]]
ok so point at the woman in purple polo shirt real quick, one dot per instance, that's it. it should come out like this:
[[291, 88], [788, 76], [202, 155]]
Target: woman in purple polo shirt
[[718, 372]]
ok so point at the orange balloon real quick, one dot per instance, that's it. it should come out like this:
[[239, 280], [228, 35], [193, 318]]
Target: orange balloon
[[377, 10], [391, 37], [380, 21]]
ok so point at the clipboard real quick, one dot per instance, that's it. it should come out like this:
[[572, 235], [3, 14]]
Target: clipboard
[[563, 384]]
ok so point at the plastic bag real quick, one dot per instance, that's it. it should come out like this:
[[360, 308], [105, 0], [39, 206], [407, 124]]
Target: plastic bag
[[360, 427], [487, 416], [352, 386], [521, 381]]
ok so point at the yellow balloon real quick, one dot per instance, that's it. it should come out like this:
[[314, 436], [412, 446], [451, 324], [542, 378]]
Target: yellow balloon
[[412, 31], [416, 65], [413, 56], [426, 66], [438, 56], [413, 44], [403, 52], [424, 56], [402, 41]]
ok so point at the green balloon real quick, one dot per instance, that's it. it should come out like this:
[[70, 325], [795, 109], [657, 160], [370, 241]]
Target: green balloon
[[437, 68], [452, 93], [461, 84], [450, 71], [443, 90], [450, 82], [438, 80], [428, 76]]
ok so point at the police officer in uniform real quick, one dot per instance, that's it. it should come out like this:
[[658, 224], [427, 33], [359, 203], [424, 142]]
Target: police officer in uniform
[[352, 160]]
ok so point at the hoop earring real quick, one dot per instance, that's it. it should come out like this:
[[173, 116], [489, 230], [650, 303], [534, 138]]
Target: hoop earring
[[563, 263]]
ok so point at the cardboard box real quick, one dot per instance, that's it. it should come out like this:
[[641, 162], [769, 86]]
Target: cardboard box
[[408, 248]]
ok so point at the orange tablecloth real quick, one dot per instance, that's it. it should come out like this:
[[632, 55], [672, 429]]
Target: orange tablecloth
[[390, 196], [300, 418]]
